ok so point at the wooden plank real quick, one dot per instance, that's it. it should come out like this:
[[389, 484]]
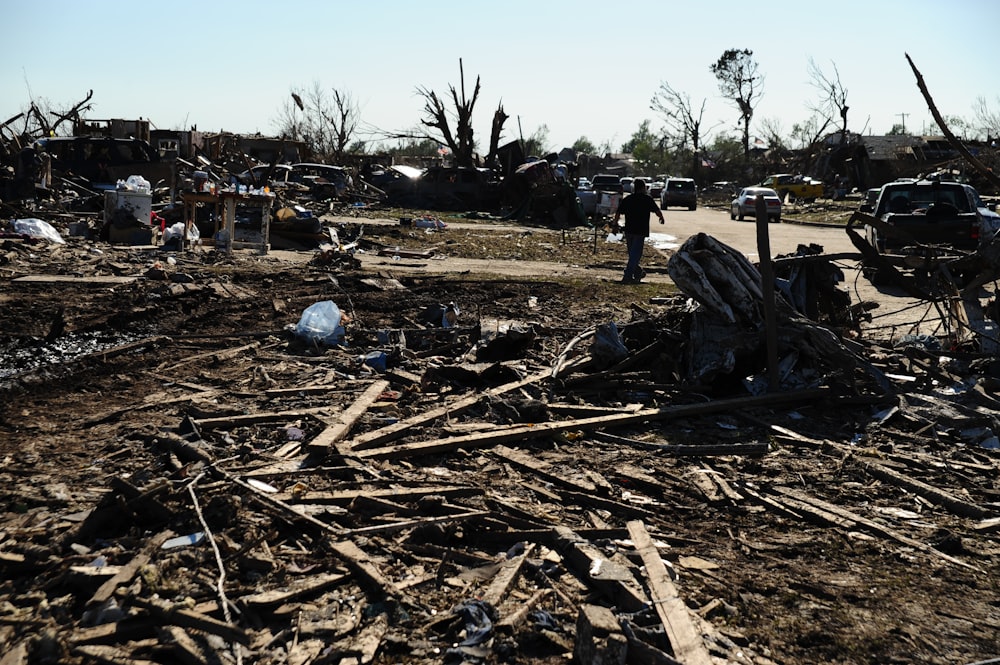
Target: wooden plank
[[501, 584], [106, 655], [344, 497], [685, 638], [524, 432], [256, 418], [315, 584], [527, 462], [128, 571], [509, 622], [614, 507], [617, 583], [396, 430], [402, 525], [345, 421], [987, 526], [172, 615], [929, 492], [185, 649], [360, 562], [75, 280], [873, 527]]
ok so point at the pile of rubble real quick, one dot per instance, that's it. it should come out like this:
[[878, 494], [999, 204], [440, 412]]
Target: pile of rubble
[[521, 477]]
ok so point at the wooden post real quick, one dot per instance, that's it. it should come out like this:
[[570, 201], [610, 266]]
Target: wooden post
[[767, 289]]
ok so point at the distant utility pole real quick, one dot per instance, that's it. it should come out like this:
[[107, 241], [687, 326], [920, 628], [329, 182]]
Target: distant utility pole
[[903, 116]]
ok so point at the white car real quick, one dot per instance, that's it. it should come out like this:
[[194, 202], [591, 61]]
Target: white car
[[745, 204]]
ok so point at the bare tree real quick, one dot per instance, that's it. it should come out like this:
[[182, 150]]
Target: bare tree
[[683, 121], [833, 99], [988, 119], [461, 141], [327, 121], [773, 133], [740, 82], [809, 132]]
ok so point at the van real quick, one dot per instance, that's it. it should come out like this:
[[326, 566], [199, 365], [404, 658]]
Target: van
[[679, 192]]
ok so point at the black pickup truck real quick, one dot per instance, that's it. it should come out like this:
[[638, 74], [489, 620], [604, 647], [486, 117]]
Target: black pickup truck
[[948, 215]]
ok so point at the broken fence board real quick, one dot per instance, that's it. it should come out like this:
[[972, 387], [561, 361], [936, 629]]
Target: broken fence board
[[314, 585], [173, 615], [685, 638], [509, 571]]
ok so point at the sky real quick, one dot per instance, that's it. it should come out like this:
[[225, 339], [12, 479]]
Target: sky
[[580, 69]]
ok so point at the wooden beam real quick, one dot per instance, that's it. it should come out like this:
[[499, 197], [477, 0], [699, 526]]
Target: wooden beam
[[929, 492], [870, 525], [685, 638], [345, 421]]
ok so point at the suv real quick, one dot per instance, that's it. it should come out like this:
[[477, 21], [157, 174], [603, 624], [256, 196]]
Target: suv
[[607, 182], [679, 192]]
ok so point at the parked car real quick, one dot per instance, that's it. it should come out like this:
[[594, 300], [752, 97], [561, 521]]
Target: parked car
[[871, 198], [655, 186], [398, 182], [608, 182], [745, 204], [460, 188], [627, 184], [277, 177], [679, 192], [324, 181], [794, 186]]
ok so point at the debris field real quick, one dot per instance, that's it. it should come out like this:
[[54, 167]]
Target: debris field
[[556, 473]]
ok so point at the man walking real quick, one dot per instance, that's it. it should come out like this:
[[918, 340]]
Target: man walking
[[637, 208]]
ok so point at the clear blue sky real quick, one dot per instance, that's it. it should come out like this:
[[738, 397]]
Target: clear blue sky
[[582, 68]]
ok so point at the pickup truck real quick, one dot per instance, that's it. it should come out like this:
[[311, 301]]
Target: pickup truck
[[949, 215], [794, 186]]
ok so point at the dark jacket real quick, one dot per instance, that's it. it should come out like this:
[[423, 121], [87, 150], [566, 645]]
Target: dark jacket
[[636, 208]]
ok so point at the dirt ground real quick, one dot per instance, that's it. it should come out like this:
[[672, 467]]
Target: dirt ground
[[148, 394]]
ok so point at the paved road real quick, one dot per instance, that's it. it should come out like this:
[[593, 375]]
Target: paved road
[[784, 237], [896, 314]]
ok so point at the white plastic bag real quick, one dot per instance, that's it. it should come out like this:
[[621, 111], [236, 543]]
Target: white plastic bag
[[37, 228], [136, 183], [320, 324]]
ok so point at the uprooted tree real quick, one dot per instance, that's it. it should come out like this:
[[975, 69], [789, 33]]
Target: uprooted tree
[[460, 141]]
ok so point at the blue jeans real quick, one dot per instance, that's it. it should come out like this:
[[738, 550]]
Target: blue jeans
[[634, 244]]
